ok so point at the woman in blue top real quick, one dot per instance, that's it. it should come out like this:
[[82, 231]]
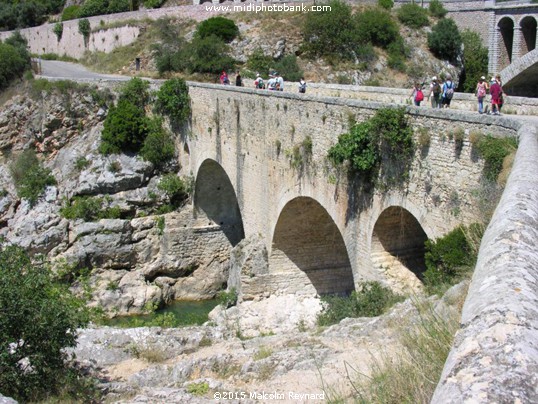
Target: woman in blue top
[[448, 92]]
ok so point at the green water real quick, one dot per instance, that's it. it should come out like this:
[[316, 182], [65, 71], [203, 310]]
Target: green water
[[176, 314]]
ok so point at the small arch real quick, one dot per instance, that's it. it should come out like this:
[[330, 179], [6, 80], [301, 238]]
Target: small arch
[[506, 41], [398, 247], [528, 27], [215, 201], [309, 248]]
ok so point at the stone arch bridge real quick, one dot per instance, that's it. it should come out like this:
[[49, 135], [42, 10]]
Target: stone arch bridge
[[321, 234]]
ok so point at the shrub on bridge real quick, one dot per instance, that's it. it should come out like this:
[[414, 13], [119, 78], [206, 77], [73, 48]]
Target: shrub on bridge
[[221, 27], [494, 151], [445, 41], [39, 321], [372, 299], [413, 16], [385, 138]]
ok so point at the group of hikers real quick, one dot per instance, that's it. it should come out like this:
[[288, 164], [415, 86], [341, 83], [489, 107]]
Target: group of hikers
[[441, 93], [275, 82]]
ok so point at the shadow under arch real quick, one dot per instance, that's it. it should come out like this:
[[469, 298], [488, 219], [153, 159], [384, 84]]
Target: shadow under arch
[[528, 27], [215, 201], [398, 242], [306, 241], [506, 41]]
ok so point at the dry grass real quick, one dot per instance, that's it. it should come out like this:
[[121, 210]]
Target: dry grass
[[508, 162]]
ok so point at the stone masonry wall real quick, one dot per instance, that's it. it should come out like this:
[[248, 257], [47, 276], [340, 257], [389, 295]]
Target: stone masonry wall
[[495, 354], [250, 133]]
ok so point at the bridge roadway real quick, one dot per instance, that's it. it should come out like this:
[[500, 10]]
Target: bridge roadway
[[233, 151]]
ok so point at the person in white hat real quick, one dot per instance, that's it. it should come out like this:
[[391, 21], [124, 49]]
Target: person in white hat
[[435, 93], [480, 92]]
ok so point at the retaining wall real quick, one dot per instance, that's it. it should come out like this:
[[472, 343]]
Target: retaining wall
[[495, 354]]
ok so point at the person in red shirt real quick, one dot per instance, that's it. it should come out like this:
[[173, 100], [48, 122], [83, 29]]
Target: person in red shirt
[[496, 97]]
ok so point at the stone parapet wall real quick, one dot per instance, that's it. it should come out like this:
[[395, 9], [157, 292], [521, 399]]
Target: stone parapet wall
[[401, 96], [495, 354]]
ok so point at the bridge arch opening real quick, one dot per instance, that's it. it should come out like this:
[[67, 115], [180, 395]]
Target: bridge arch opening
[[506, 41], [215, 201], [528, 27], [398, 247], [309, 248]]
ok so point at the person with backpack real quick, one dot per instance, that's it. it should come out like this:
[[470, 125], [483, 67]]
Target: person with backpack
[[435, 93], [224, 78], [258, 83], [417, 94], [302, 86], [448, 92], [481, 91]]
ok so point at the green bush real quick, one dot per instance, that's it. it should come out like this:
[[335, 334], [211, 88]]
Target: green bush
[[173, 100], [13, 63], [71, 12], [93, 7], [39, 321], [397, 55], [259, 63], [385, 137], [136, 91], [386, 4], [221, 27], [448, 257], [445, 41], [413, 16], [30, 177], [376, 26], [288, 68], [475, 61], [227, 299], [331, 34], [153, 3], [89, 209], [436, 9], [58, 30], [118, 6], [205, 55], [125, 129], [158, 146], [174, 188], [493, 151], [84, 28], [371, 300]]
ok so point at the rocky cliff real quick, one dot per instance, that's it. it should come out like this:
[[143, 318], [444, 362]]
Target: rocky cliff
[[136, 261]]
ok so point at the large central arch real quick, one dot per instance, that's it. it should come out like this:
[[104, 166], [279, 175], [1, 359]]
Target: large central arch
[[398, 248], [215, 202], [308, 246]]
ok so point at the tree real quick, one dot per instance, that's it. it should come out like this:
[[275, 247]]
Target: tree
[[136, 91], [475, 61], [221, 27], [331, 34], [39, 319], [173, 100], [125, 129], [377, 26], [445, 41]]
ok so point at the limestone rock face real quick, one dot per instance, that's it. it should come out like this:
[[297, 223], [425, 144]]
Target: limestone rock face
[[135, 262], [7, 400]]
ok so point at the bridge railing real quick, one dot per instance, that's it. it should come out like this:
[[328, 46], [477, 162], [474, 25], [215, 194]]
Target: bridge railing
[[495, 354]]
